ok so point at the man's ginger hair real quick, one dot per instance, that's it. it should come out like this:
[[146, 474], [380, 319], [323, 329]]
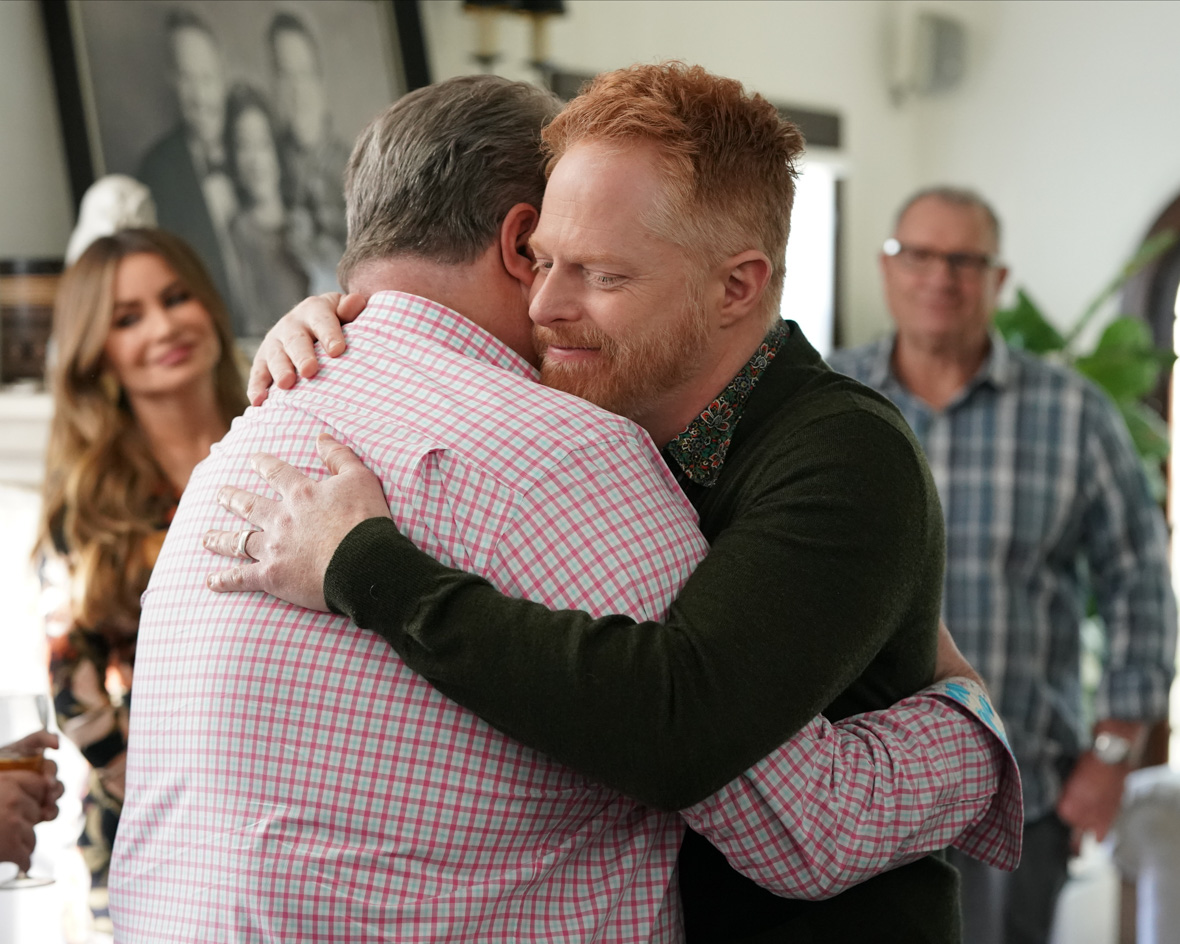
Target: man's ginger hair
[[728, 156]]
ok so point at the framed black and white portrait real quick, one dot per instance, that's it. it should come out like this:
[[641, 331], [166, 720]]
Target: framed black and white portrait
[[240, 118]]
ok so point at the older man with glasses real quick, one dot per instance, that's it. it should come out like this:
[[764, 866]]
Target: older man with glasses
[[1045, 503]]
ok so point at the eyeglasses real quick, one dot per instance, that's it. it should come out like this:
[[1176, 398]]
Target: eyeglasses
[[924, 261]]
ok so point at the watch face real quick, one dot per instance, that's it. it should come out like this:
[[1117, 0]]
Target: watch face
[[1111, 748]]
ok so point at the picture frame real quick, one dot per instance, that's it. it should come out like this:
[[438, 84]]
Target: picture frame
[[239, 117]]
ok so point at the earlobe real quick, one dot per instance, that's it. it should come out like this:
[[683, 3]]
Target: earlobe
[[746, 277]]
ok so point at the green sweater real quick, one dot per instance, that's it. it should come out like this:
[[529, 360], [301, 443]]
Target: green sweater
[[820, 593]]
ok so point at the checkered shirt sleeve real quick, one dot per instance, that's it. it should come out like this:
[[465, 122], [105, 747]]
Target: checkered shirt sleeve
[[839, 803], [1127, 552]]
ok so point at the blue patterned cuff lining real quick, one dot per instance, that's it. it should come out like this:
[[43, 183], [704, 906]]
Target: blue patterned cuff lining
[[971, 695]]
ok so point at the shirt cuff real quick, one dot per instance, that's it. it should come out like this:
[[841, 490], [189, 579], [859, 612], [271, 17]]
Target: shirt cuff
[[996, 838]]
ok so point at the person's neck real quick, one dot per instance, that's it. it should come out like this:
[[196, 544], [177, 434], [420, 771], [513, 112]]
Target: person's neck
[[210, 153], [480, 291], [937, 370], [668, 415], [180, 429]]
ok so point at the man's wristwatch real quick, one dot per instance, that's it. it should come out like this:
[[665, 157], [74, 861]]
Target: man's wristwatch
[[1112, 748]]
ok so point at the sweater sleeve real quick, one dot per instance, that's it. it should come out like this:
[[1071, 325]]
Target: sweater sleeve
[[815, 571]]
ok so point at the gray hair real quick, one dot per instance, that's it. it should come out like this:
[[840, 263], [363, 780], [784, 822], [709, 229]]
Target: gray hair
[[436, 173], [957, 196]]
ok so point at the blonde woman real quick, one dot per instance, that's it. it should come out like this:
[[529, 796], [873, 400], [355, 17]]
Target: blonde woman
[[145, 381]]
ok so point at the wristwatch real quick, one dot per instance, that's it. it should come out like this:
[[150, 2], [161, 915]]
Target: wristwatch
[[1112, 748]]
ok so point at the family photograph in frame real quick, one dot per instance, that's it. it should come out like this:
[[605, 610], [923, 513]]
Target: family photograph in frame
[[239, 117]]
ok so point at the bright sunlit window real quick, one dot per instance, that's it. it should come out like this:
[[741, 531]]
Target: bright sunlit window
[[809, 291]]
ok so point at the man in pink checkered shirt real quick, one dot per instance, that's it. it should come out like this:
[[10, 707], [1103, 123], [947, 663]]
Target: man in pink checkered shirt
[[290, 779]]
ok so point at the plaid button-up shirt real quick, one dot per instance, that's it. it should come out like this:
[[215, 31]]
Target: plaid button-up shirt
[[290, 780], [1044, 500]]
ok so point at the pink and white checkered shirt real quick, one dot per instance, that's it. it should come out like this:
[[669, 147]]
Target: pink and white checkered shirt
[[290, 780]]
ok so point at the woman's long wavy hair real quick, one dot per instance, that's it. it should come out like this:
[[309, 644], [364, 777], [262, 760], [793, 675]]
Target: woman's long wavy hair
[[105, 494]]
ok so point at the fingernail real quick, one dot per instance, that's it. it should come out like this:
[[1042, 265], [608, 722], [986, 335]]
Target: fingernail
[[336, 347], [221, 495]]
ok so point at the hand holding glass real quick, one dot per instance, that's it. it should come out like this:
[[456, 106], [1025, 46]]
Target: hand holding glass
[[24, 723]]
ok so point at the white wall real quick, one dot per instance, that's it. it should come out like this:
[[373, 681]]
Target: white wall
[[1070, 122], [826, 56], [36, 211]]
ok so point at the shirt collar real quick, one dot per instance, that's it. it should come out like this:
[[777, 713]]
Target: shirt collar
[[997, 369], [403, 316], [880, 357], [701, 448]]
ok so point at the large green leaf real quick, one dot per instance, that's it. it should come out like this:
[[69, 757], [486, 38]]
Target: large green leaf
[[1024, 326], [1148, 431], [1125, 375], [1125, 362], [1126, 334]]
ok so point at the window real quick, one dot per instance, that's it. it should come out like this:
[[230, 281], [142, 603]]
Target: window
[[809, 290]]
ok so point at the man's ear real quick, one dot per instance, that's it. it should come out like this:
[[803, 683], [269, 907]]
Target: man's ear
[[518, 226], [745, 276]]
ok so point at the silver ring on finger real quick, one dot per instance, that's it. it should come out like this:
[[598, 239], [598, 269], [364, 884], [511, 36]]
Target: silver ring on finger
[[240, 546]]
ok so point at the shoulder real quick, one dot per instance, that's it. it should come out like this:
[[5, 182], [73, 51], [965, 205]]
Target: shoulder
[[1034, 375], [1068, 410], [862, 361], [852, 423], [503, 421], [1061, 386], [826, 395], [1031, 370], [800, 392], [835, 434], [555, 437]]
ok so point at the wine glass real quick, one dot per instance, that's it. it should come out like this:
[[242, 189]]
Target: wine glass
[[22, 715]]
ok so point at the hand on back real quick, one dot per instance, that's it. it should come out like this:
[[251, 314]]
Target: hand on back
[[287, 352], [287, 551]]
